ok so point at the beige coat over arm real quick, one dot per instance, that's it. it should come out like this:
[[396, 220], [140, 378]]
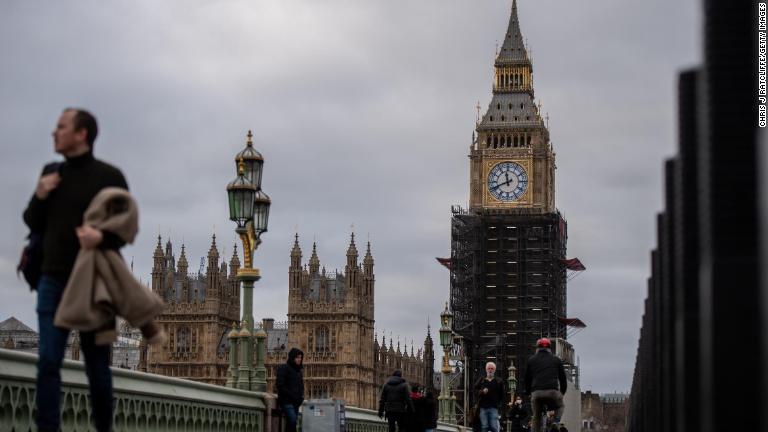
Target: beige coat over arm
[[101, 285]]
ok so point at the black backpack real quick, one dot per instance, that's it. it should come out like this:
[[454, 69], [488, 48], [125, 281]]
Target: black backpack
[[31, 261]]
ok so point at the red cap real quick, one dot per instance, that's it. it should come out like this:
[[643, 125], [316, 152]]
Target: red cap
[[543, 343]]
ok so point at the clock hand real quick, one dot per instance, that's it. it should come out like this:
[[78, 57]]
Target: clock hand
[[509, 180]]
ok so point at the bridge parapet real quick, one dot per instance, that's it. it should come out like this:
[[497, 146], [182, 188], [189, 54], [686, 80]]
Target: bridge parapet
[[150, 402], [142, 401]]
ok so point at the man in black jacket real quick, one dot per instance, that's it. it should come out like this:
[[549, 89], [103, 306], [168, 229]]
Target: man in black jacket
[[56, 211], [545, 381], [290, 387], [491, 393], [395, 401]]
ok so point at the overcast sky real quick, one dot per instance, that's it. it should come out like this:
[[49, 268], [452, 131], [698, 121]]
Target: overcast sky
[[364, 111]]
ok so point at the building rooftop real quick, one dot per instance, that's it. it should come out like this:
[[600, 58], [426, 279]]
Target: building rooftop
[[14, 325]]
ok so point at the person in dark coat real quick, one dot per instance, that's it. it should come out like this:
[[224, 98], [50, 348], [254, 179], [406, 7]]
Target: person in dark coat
[[430, 411], [63, 193], [546, 382], [416, 418], [395, 401], [519, 415], [491, 393], [290, 387]]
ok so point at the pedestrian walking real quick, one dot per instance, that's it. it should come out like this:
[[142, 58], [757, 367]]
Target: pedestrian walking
[[395, 402], [491, 394], [430, 410], [519, 415], [290, 387], [416, 418], [56, 213], [545, 382]]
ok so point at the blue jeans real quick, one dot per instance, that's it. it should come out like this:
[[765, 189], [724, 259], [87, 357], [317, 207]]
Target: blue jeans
[[291, 414], [489, 419], [53, 342]]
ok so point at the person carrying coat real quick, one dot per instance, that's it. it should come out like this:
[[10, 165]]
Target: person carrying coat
[[290, 387], [395, 402]]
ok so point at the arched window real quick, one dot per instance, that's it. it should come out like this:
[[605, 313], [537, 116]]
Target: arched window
[[323, 339], [182, 340]]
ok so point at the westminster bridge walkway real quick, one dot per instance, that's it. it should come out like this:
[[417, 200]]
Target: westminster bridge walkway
[[148, 402]]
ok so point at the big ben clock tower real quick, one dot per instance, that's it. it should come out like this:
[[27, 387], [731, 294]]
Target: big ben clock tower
[[512, 165], [508, 283]]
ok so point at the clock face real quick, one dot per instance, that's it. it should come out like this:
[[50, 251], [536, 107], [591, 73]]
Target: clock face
[[507, 181]]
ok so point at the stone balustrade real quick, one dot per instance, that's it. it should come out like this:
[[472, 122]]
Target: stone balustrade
[[142, 401], [150, 402]]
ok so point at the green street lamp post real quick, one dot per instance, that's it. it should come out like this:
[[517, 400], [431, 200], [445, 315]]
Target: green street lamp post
[[512, 381], [249, 209], [447, 408], [232, 370]]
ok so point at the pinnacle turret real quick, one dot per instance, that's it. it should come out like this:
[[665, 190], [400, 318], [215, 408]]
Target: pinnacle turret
[[512, 106], [352, 250], [296, 251], [368, 257], [168, 248], [159, 248], [213, 251], [183, 264], [235, 260], [513, 49], [314, 261]]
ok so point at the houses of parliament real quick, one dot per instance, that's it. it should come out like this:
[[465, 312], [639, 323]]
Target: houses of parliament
[[330, 318]]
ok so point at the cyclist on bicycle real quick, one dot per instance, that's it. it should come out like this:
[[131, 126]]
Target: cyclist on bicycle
[[545, 382]]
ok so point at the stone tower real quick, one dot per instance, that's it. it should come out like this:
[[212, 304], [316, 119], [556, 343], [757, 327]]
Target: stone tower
[[199, 310], [507, 278], [429, 360], [330, 318], [512, 164]]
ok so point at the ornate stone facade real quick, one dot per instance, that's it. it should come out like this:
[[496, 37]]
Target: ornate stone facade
[[331, 319], [200, 309]]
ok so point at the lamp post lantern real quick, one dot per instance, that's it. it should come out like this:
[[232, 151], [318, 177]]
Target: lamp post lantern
[[447, 412], [249, 209]]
